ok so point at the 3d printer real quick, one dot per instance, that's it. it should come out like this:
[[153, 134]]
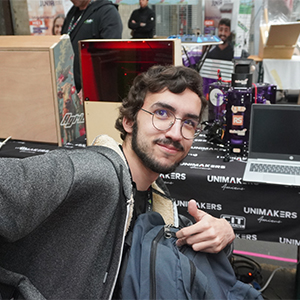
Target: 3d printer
[[230, 106]]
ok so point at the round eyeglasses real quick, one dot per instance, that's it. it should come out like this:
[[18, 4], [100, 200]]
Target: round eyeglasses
[[163, 119]]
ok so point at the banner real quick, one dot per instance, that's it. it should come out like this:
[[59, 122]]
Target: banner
[[243, 27], [215, 10], [45, 16]]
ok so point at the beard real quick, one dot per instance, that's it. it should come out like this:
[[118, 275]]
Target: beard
[[148, 160], [226, 38]]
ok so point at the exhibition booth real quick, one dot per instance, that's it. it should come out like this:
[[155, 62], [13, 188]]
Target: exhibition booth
[[41, 111], [35, 115]]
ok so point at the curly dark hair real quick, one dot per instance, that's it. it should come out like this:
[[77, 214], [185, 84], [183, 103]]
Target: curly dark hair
[[174, 78], [225, 22]]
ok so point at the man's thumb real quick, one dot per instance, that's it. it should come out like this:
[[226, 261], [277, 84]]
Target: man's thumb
[[194, 211]]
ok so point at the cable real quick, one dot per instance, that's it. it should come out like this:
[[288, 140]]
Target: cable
[[270, 278], [220, 77], [247, 270], [272, 275], [255, 92], [256, 278]]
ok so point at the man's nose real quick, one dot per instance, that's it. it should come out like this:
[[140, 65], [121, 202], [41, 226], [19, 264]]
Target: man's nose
[[175, 131]]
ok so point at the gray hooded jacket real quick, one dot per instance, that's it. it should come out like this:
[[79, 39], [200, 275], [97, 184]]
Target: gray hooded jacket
[[63, 219]]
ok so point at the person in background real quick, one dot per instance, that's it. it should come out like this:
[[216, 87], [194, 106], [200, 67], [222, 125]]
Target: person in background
[[91, 19], [57, 24], [64, 214], [223, 51], [142, 21]]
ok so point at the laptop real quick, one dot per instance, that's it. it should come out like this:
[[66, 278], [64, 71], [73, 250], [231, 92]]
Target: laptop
[[274, 145]]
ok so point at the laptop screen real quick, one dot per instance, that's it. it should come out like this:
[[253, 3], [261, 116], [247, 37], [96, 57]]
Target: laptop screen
[[275, 132]]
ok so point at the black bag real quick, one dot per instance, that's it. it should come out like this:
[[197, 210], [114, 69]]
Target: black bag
[[158, 269]]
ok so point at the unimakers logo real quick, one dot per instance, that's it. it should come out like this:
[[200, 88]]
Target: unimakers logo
[[238, 132], [202, 166], [173, 176], [32, 150], [201, 205], [201, 148], [229, 183], [224, 179], [268, 215], [283, 240], [241, 81], [249, 237], [70, 120], [201, 138], [237, 222]]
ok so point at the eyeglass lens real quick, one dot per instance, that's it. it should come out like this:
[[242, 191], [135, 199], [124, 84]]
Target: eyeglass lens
[[164, 119]]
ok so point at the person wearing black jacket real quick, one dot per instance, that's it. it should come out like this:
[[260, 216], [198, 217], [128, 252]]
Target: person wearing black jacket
[[91, 19], [142, 21], [223, 51]]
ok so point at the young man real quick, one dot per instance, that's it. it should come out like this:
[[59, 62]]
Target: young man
[[90, 19], [142, 21], [64, 215], [223, 51]]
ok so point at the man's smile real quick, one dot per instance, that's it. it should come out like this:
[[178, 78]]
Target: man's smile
[[169, 145]]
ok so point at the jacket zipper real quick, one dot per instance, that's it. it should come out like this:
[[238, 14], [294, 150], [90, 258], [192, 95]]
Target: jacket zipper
[[152, 263], [166, 233]]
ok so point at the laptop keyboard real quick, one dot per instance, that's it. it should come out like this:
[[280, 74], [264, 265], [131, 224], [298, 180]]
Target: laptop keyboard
[[277, 169]]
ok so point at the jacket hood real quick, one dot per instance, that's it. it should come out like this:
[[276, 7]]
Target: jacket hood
[[109, 148], [95, 5]]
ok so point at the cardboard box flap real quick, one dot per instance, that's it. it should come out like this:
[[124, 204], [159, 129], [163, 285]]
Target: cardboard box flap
[[283, 35]]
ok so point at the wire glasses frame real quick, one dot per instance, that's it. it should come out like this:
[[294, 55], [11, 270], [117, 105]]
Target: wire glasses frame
[[163, 119]]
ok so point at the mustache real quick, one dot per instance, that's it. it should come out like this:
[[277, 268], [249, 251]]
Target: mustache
[[168, 141], [223, 36]]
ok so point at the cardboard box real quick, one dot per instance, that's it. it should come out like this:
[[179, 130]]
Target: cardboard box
[[37, 90], [100, 119], [278, 40], [108, 69]]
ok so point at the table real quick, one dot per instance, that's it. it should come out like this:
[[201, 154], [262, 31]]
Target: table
[[22, 149], [255, 211], [284, 73]]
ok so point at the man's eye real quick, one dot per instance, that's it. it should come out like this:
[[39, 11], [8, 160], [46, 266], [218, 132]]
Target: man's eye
[[161, 113], [190, 123]]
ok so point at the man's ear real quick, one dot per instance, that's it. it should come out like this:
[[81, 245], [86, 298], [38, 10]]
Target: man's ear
[[127, 124]]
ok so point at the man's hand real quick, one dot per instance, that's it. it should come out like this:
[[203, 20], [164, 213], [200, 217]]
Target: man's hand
[[208, 234]]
